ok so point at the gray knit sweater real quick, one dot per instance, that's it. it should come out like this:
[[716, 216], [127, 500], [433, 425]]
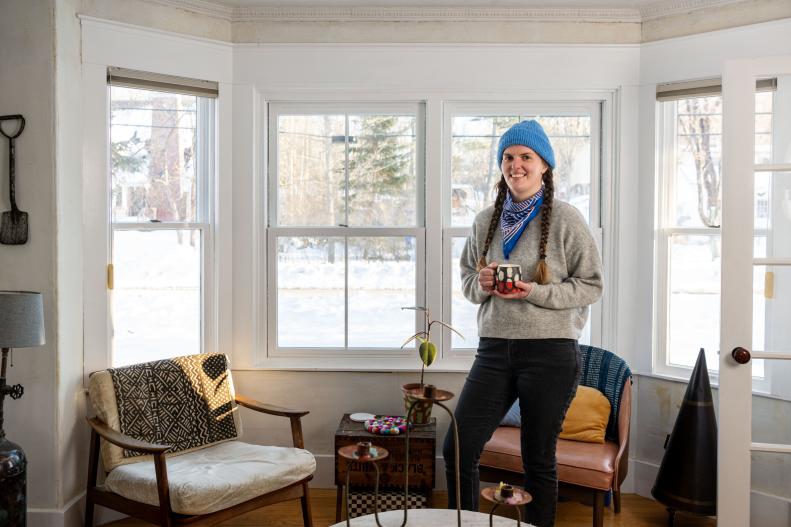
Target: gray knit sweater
[[558, 309]]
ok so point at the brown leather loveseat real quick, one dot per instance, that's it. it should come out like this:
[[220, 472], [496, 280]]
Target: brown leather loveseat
[[586, 471]]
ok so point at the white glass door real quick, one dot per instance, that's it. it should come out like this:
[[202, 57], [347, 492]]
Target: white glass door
[[756, 281]]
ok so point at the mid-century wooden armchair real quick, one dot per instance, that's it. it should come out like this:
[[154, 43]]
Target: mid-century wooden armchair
[[167, 434], [586, 471]]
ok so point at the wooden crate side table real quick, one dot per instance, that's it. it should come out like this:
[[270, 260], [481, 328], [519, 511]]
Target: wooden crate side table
[[422, 455]]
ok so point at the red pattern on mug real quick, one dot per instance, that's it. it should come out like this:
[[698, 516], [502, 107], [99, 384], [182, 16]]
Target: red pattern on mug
[[506, 277]]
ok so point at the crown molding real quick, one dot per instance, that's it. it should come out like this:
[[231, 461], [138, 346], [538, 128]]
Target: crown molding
[[434, 14], [397, 14], [677, 7], [431, 14], [201, 7]]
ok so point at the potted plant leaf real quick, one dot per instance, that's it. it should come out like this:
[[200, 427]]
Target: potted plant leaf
[[427, 351]]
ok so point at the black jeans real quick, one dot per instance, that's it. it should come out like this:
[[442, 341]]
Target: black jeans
[[543, 374]]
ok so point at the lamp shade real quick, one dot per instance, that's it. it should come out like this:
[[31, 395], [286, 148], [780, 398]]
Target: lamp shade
[[21, 319]]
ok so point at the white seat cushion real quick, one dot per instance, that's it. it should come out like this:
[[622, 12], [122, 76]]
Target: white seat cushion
[[215, 477]]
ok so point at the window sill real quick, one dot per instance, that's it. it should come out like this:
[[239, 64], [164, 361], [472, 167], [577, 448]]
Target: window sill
[[456, 364]]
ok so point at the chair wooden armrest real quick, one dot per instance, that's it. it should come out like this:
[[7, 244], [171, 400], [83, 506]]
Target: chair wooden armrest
[[293, 415], [258, 406], [124, 441]]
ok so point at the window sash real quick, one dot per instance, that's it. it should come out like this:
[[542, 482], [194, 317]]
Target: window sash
[[666, 230], [273, 233], [206, 265], [204, 170], [276, 109]]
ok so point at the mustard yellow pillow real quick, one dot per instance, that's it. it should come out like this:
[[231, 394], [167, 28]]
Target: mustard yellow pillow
[[587, 417]]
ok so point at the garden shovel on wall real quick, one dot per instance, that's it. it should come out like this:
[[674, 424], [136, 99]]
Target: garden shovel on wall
[[13, 223]]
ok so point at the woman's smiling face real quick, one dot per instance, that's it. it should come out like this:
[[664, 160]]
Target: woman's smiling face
[[523, 170]]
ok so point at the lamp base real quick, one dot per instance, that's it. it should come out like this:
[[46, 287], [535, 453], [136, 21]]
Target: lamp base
[[13, 478]]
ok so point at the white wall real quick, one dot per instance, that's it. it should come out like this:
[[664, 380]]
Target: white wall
[[26, 87], [43, 86], [72, 433]]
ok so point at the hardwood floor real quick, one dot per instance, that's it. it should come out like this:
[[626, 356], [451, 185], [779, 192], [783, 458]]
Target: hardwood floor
[[636, 511]]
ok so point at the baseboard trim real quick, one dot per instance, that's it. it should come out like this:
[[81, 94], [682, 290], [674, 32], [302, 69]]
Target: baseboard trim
[[644, 476], [70, 515]]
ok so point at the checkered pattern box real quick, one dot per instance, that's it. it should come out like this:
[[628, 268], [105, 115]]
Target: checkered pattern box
[[362, 503]]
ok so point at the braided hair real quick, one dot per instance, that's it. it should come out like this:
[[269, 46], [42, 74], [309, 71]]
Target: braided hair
[[541, 275]]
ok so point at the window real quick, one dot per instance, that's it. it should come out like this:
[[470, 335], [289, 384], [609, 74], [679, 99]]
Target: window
[[474, 132], [346, 227], [161, 151], [348, 219], [689, 150]]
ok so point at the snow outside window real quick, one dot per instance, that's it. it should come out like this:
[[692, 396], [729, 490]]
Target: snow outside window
[[161, 153], [345, 241], [689, 205]]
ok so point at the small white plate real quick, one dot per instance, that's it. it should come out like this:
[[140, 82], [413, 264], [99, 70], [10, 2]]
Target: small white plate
[[361, 417]]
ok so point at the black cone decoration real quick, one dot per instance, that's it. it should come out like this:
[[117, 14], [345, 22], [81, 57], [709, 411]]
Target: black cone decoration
[[687, 478]]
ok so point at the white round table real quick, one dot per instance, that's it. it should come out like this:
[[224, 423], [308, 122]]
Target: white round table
[[430, 518]]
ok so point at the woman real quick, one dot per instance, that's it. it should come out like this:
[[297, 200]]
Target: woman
[[528, 338]]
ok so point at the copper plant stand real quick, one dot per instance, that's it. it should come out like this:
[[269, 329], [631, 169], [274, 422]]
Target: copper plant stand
[[429, 393]]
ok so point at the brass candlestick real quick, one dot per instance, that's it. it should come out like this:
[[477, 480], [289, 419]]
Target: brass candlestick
[[506, 495], [363, 452]]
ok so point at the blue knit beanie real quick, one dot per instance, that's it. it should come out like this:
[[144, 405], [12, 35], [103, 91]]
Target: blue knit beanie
[[531, 135]]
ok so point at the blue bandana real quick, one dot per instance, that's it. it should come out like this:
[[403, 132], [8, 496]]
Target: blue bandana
[[516, 216]]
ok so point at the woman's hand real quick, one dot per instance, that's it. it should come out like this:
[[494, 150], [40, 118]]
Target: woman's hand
[[486, 278], [524, 290]]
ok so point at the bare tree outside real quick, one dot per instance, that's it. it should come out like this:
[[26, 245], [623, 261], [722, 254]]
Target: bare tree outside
[[700, 126]]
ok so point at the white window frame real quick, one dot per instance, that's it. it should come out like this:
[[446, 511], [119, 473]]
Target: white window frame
[[599, 130], [666, 149], [307, 355], [205, 170]]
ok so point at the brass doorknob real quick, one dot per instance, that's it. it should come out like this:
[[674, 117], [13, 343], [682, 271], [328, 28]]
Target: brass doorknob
[[740, 355]]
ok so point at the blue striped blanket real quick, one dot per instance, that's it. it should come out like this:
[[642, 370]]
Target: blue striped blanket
[[607, 372]]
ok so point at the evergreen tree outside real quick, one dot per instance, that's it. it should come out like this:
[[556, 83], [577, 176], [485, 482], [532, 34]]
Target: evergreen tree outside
[[381, 179]]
